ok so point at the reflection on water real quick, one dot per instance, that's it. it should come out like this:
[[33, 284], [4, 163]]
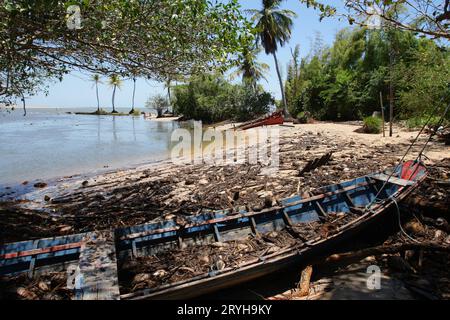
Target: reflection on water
[[49, 143]]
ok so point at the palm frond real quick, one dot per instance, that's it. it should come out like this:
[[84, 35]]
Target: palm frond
[[115, 81], [273, 25]]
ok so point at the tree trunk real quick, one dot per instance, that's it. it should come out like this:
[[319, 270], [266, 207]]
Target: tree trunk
[[286, 112], [98, 100], [391, 107], [134, 93], [24, 105], [169, 95], [113, 97]]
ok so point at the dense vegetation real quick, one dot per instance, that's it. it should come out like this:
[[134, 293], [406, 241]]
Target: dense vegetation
[[211, 98], [344, 81], [160, 39]]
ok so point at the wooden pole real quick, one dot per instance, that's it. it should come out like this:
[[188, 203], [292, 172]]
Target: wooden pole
[[392, 59], [391, 109], [382, 113]]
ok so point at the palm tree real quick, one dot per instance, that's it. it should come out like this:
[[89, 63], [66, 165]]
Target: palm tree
[[250, 69], [96, 79], [115, 82], [134, 94], [274, 27]]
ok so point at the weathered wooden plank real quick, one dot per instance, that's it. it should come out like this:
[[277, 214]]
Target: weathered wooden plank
[[394, 180], [98, 278]]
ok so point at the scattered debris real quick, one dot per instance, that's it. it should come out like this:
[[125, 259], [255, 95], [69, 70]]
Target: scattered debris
[[316, 163], [52, 286], [40, 185]]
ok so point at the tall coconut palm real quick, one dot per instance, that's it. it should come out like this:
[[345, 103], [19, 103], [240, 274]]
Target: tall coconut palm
[[97, 80], [250, 69], [115, 82], [134, 94], [274, 27]]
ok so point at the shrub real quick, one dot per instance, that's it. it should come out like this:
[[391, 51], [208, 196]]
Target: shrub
[[250, 104], [419, 122], [136, 113], [303, 117], [372, 125], [101, 112], [159, 103]]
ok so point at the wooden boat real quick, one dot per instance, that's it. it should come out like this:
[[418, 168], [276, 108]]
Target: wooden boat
[[276, 118], [365, 201]]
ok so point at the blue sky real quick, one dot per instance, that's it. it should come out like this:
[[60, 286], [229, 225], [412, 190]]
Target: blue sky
[[76, 91]]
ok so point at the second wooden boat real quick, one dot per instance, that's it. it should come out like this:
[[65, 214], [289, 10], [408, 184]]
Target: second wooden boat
[[275, 118]]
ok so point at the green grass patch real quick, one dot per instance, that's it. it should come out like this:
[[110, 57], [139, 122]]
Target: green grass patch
[[372, 125]]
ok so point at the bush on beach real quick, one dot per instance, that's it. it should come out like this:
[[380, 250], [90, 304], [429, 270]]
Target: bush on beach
[[372, 125]]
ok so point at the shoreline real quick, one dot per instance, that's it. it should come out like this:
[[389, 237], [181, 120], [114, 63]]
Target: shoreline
[[323, 129]]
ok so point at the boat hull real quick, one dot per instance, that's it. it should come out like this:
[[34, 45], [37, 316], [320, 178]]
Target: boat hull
[[296, 256], [381, 193], [276, 118]]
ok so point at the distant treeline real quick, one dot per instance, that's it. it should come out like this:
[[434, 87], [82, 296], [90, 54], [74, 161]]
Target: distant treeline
[[344, 81]]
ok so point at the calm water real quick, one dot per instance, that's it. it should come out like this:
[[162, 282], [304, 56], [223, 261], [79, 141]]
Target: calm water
[[49, 143]]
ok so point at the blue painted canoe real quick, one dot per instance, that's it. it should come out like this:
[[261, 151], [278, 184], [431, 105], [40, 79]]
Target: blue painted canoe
[[368, 198]]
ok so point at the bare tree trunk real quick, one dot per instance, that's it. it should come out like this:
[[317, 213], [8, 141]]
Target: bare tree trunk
[[98, 100], [168, 92], [286, 112], [24, 105], [113, 97], [391, 107]]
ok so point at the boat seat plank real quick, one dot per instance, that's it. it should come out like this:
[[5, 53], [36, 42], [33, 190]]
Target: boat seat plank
[[394, 180], [98, 268]]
